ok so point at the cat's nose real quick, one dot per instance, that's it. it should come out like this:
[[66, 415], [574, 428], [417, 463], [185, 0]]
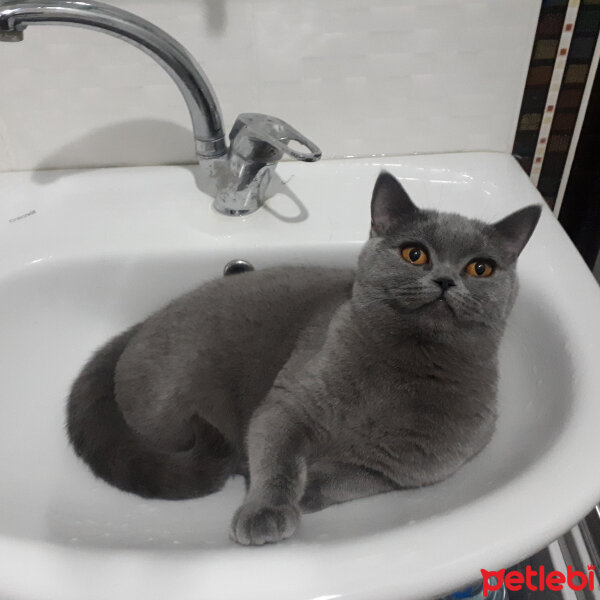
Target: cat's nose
[[445, 283]]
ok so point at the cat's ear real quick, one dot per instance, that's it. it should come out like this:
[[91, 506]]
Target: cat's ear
[[515, 230], [390, 204]]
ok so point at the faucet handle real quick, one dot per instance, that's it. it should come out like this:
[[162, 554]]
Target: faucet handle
[[259, 129], [258, 142]]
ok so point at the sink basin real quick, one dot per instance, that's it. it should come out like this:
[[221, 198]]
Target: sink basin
[[84, 254]]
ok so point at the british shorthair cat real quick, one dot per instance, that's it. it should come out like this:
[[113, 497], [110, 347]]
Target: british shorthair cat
[[319, 385]]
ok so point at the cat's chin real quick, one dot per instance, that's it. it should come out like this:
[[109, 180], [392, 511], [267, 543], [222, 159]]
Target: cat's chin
[[439, 315], [438, 304]]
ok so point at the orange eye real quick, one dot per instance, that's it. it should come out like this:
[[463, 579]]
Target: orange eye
[[414, 255], [480, 268]]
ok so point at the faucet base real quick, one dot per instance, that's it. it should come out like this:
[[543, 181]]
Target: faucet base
[[244, 193]]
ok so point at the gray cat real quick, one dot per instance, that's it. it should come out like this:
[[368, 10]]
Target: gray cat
[[318, 385]]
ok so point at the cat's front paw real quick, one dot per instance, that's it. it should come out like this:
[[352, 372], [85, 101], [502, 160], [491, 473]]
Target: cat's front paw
[[256, 524]]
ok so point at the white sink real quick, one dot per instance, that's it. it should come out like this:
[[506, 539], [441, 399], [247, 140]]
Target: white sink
[[104, 248]]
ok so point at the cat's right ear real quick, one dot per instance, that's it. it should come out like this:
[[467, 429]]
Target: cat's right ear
[[390, 205], [515, 230]]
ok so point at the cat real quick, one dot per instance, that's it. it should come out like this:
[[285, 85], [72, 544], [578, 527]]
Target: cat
[[318, 385]]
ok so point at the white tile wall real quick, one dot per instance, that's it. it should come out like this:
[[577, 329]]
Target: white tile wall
[[360, 77]]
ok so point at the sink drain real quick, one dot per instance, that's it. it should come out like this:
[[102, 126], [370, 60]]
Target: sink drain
[[234, 267]]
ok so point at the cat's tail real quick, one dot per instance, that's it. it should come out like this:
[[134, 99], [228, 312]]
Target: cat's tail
[[114, 452]]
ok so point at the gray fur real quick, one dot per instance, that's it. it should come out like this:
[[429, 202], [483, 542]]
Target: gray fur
[[320, 385]]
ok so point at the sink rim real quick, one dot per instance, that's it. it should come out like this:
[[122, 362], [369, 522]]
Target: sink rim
[[521, 490]]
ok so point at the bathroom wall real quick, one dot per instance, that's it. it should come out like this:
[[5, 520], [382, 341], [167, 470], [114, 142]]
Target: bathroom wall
[[360, 77]]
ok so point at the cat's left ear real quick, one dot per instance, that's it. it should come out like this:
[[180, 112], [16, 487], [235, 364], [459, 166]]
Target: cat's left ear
[[516, 229], [390, 204]]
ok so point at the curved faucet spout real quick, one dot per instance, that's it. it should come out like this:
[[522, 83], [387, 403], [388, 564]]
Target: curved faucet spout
[[238, 177], [200, 98]]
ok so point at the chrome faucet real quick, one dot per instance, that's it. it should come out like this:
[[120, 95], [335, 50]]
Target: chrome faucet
[[241, 174]]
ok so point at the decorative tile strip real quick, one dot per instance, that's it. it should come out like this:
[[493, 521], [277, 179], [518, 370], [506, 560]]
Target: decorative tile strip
[[571, 105], [558, 73], [543, 57]]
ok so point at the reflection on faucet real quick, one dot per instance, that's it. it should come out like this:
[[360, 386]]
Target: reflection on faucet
[[239, 176]]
